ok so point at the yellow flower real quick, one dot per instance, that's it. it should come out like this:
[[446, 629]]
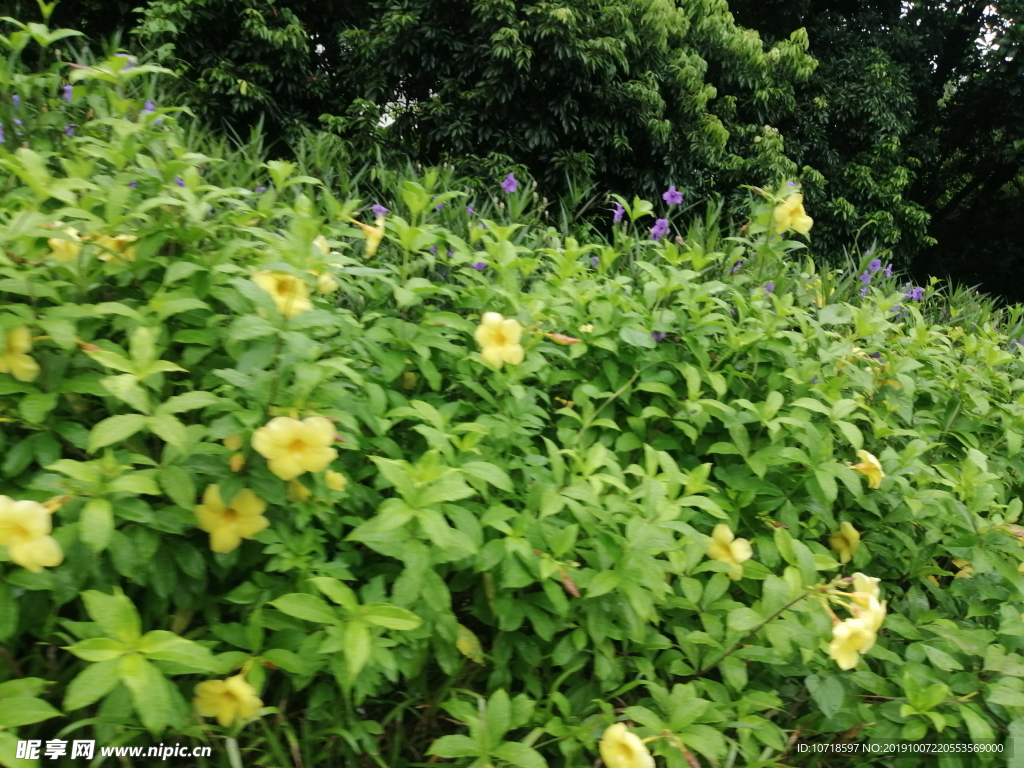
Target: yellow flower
[[289, 293], [25, 530], [934, 581], [869, 466], [292, 447], [499, 340], [821, 301], [373, 235], [850, 638], [236, 462], [865, 585], [845, 541], [622, 749], [321, 243], [336, 481], [586, 328], [228, 525], [232, 442], [726, 548], [14, 359], [297, 491], [966, 569], [325, 282], [873, 614], [790, 214], [65, 250], [227, 700], [116, 244]]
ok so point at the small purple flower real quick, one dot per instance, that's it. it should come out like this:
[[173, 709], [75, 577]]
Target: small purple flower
[[480, 266], [470, 211], [2, 139], [875, 265], [130, 64], [439, 206], [619, 210], [875, 355], [260, 190], [659, 229], [178, 181], [658, 336], [484, 226], [790, 183], [864, 291], [68, 92], [595, 261], [732, 311], [433, 249], [888, 270], [769, 288], [449, 255], [133, 185], [16, 99], [865, 279], [378, 210], [672, 196], [814, 379], [444, 274], [510, 184], [895, 309], [737, 267], [69, 129], [148, 109], [914, 294]]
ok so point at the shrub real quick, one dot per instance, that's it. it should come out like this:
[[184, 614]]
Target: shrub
[[539, 486]]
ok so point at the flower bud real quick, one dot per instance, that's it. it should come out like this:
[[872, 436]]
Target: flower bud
[[236, 462], [335, 480], [233, 442]]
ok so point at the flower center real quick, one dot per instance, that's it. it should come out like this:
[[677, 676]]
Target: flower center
[[283, 288], [230, 516], [297, 446], [19, 534]]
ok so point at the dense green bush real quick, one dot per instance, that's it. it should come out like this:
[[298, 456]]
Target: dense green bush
[[420, 482]]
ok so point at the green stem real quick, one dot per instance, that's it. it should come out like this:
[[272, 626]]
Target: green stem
[[619, 391], [234, 755]]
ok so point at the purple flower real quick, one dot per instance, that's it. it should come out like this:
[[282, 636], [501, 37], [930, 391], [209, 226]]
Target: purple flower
[[433, 249], [866, 278], [378, 210], [16, 99], [178, 181], [737, 267], [875, 265], [894, 309], [69, 129], [148, 109], [510, 184], [864, 291], [769, 288], [732, 311], [68, 91], [158, 122], [672, 196], [470, 211], [914, 294], [790, 183], [484, 226], [130, 64], [876, 355], [619, 210], [888, 270], [449, 255], [259, 190], [659, 229], [133, 185], [439, 206], [595, 261], [2, 139], [658, 336], [480, 266], [444, 274], [813, 379]]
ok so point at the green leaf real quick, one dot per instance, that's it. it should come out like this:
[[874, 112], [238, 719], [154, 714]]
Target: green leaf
[[114, 430], [169, 429], [338, 592], [179, 486], [306, 607], [134, 483], [520, 755], [9, 751], [35, 408], [358, 644], [126, 387], [149, 691], [489, 473], [92, 684], [828, 693], [390, 616], [189, 401], [115, 614], [9, 612], [25, 711], [98, 649], [454, 746], [96, 525], [603, 583], [637, 338], [499, 717], [941, 659]]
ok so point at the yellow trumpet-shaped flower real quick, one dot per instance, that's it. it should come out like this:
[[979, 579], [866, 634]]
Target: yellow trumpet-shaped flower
[[65, 250], [321, 243], [850, 639], [586, 328], [227, 700], [292, 447], [870, 467], [726, 548], [335, 481], [373, 235], [297, 491], [845, 541], [790, 214], [966, 569], [118, 245], [498, 338], [621, 749], [325, 282], [13, 355], [873, 614], [865, 585], [290, 294], [236, 462], [25, 530], [229, 524]]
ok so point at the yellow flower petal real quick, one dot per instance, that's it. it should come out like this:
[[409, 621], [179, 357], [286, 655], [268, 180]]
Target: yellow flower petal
[[621, 749], [335, 481]]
